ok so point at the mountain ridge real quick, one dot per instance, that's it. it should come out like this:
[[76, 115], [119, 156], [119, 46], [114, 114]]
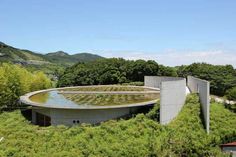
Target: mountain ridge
[[11, 54]]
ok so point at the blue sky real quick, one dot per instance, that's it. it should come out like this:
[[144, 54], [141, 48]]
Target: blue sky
[[172, 32]]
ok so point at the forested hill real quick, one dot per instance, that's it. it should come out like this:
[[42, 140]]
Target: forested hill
[[65, 58], [26, 57], [11, 54]]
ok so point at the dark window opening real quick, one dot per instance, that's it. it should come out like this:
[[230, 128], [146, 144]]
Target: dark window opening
[[42, 120]]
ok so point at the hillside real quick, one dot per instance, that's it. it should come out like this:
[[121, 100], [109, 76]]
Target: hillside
[[65, 58], [26, 57], [15, 55]]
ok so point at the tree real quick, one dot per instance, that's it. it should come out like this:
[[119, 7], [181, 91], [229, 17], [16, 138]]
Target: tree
[[16, 81]]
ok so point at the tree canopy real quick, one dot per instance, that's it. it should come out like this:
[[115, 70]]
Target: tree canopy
[[112, 71], [221, 77], [16, 81]]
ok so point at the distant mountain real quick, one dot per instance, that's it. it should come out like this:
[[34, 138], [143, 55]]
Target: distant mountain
[[58, 53], [65, 58], [15, 55], [11, 54]]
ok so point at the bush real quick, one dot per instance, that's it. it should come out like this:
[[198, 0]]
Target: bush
[[138, 136], [16, 81], [231, 94]]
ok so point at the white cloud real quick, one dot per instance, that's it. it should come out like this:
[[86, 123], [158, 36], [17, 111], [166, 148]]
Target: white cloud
[[173, 58]]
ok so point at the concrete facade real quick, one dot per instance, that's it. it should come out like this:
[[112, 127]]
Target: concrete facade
[[71, 117], [172, 97], [202, 87], [155, 81]]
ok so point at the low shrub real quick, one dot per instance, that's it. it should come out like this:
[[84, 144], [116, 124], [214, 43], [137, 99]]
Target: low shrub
[[231, 94], [138, 136]]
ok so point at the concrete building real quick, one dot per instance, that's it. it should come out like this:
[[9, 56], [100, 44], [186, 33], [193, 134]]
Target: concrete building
[[68, 113], [172, 91]]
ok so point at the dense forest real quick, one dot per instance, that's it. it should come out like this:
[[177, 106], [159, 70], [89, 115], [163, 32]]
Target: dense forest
[[222, 78], [117, 70], [112, 71]]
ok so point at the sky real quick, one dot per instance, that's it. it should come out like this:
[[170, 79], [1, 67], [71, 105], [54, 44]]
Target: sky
[[172, 32]]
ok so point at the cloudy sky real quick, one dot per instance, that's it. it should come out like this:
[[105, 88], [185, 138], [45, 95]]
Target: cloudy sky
[[170, 32]]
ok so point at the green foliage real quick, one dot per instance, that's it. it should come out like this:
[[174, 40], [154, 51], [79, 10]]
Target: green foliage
[[221, 77], [231, 94], [167, 71], [111, 71], [155, 112], [16, 81], [66, 59], [52, 64], [138, 136], [9, 53], [134, 83]]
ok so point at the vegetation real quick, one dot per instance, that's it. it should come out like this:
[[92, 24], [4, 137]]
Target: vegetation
[[221, 77], [15, 55], [106, 88], [9, 53], [66, 59], [141, 135], [231, 94], [52, 63], [138, 136], [137, 83], [112, 71], [100, 99], [16, 81], [109, 99]]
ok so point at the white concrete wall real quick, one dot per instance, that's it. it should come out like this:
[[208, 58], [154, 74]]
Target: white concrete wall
[[92, 116], [155, 81], [173, 95], [152, 81], [202, 87]]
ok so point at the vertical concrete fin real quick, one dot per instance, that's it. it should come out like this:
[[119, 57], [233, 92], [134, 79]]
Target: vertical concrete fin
[[173, 95], [201, 87]]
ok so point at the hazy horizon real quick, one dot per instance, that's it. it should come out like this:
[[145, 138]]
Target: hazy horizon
[[170, 32]]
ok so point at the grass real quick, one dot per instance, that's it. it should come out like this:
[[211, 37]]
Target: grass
[[107, 99], [107, 88], [138, 136]]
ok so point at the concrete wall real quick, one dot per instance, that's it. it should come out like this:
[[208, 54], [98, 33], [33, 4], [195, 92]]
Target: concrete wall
[[172, 99], [202, 87], [92, 116], [155, 81]]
